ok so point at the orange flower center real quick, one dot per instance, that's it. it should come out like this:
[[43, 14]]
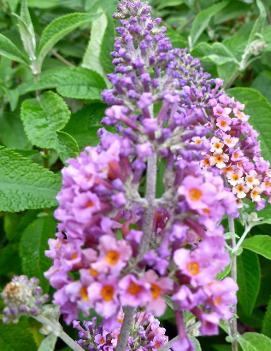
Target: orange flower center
[[84, 293], [223, 123], [112, 257], [134, 289], [155, 291], [193, 268], [217, 300], [89, 204], [107, 292], [93, 272], [195, 194]]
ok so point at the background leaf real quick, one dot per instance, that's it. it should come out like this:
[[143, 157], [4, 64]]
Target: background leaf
[[259, 110], [261, 244], [254, 342], [248, 280], [24, 184], [33, 244]]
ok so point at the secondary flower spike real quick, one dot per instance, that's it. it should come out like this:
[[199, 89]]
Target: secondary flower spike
[[167, 110]]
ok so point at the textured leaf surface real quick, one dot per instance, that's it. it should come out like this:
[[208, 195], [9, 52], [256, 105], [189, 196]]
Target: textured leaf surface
[[255, 342], [67, 146], [24, 184], [202, 20], [259, 109], [10, 50], [248, 280], [43, 118], [33, 244], [57, 29], [76, 83], [261, 244]]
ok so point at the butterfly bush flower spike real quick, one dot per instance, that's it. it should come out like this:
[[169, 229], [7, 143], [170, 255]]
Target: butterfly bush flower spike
[[121, 242]]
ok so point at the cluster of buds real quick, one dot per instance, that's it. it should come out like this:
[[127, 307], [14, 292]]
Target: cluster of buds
[[124, 242], [22, 297], [146, 334]]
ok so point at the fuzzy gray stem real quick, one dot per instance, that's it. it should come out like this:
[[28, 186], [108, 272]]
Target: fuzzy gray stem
[[233, 321], [144, 245], [56, 329]]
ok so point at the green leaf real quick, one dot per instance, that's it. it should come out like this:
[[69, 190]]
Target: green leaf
[[202, 20], [26, 30], [75, 83], [259, 110], [67, 146], [43, 118], [259, 23], [84, 124], [266, 327], [48, 344], [248, 280], [10, 50], [24, 184], [12, 133], [82, 84], [92, 56], [58, 29], [261, 244], [169, 3], [17, 337], [10, 263], [33, 244], [254, 342], [262, 83]]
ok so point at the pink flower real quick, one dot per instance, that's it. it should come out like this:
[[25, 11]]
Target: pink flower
[[196, 193], [158, 288], [104, 297], [85, 205], [224, 122], [114, 255], [133, 292]]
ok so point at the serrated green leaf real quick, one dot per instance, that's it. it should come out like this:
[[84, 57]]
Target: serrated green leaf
[[10, 50], [48, 344], [17, 337], [82, 83], [254, 342], [33, 244], [266, 327], [75, 83], [43, 118], [202, 20], [261, 244], [248, 280], [24, 184], [58, 29], [259, 109], [67, 146]]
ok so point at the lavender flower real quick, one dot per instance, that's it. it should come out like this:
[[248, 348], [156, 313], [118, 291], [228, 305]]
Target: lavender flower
[[146, 334]]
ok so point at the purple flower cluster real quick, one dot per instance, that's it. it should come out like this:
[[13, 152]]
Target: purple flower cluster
[[146, 334], [22, 297], [115, 247]]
